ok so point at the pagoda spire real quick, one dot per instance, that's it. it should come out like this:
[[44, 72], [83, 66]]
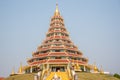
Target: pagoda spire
[[57, 11]]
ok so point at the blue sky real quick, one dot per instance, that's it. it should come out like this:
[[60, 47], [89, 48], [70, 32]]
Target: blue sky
[[94, 26]]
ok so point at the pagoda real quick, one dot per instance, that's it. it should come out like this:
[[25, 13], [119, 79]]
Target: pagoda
[[57, 53]]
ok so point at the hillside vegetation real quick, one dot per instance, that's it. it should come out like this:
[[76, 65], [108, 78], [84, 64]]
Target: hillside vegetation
[[21, 77], [92, 76], [81, 76]]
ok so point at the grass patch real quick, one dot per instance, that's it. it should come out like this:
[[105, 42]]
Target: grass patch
[[92, 76], [81, 76], [21, 77]]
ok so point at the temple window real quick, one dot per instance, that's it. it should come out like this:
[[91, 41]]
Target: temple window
[[53, 50], [63, 57], [70, 58], [57, 51], [57, 39], [52, 57], [57, 57]]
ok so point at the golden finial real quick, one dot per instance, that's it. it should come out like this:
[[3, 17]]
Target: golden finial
[[20, 69], [13, 71], [95, 68], [57, 10]]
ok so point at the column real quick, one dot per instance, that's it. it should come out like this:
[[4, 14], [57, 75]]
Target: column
[[84, 68], [31, 69]]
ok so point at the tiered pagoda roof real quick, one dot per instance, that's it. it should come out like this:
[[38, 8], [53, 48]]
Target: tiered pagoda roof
[[57, 48]]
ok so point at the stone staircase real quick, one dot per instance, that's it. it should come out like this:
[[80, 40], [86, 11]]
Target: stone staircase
[[62, 75]]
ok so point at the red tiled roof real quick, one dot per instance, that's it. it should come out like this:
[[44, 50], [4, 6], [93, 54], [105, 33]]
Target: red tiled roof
[[58, 61], [79, 62], [41, 55], [57, 54], [38, 62], [75, 55]]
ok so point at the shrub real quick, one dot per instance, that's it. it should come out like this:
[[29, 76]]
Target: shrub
[[117, 75]]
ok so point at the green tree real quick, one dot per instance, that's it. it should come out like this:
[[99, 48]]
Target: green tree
[[117, 75]]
